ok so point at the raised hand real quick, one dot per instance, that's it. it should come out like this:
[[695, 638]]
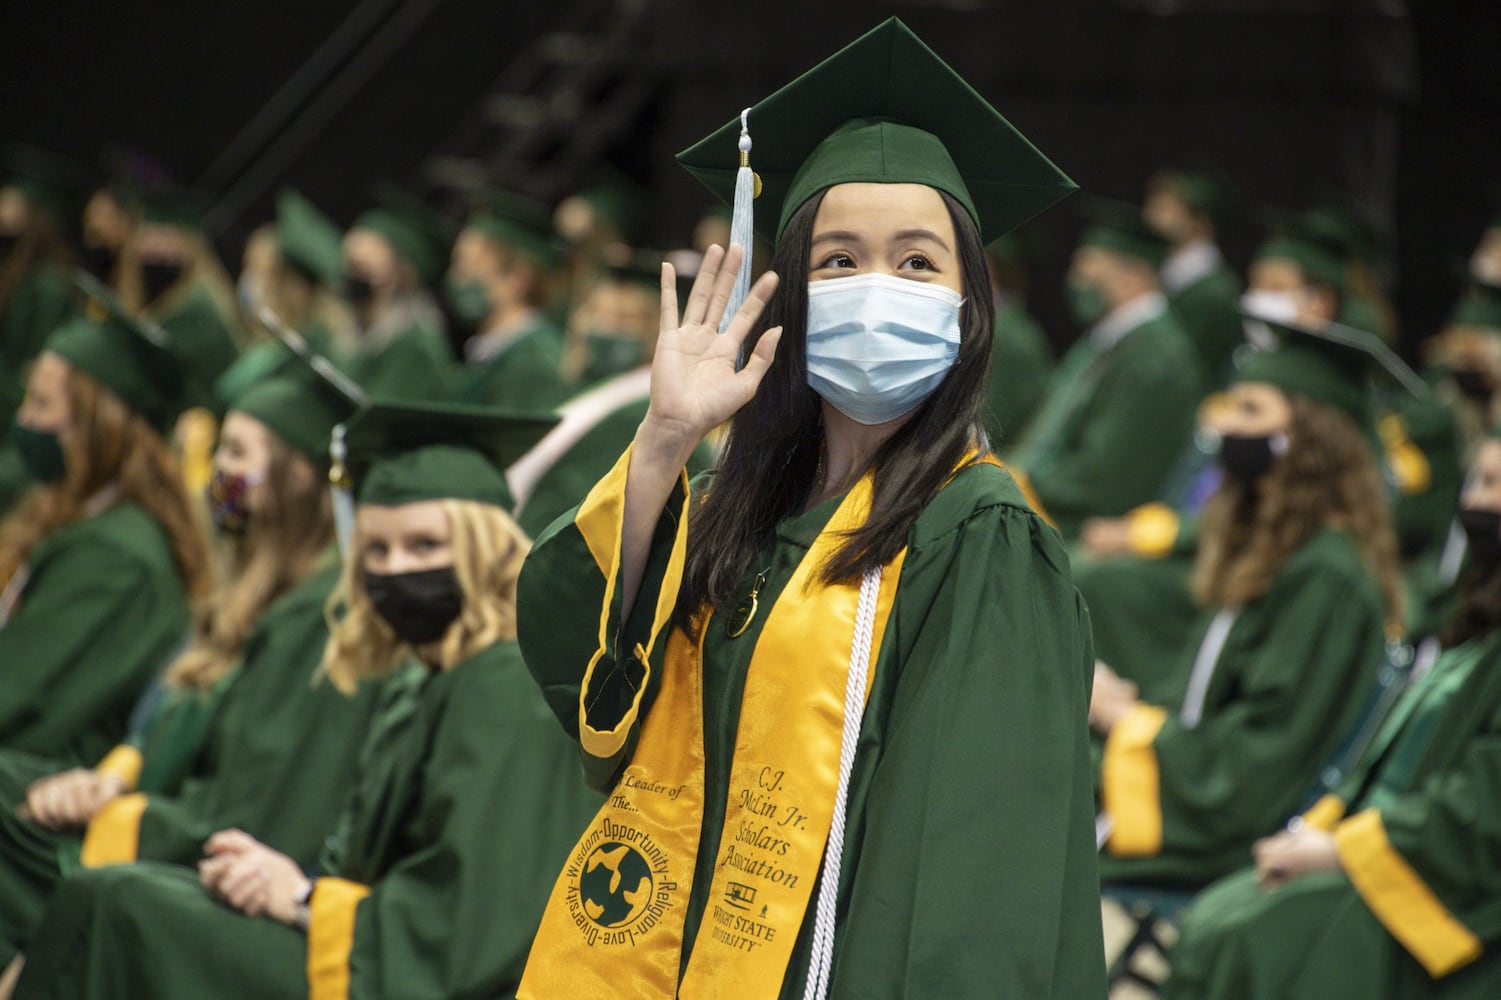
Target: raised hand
[[694, 384]]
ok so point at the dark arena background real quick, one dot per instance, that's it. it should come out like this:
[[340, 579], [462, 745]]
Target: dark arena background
[[1394, 105]]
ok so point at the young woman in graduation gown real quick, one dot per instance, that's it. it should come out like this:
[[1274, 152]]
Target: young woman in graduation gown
[[99, 561], [854, 535], [468, 797], [246, 732], [1388, 888], [1297, 573]]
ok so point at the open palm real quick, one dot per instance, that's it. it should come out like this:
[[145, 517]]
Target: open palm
[[694, 383]]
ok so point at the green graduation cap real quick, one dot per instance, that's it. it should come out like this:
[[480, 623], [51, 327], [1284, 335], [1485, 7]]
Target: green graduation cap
[[302, 399], [51, 184], [405, 452], [1204, 190], [308, 239], [619, 201], [172, 208], [1320, 261], [521, 224], [417, 234], [884, 109], [1117, 227], [1480, 307], [131, 357], [1334, 365]]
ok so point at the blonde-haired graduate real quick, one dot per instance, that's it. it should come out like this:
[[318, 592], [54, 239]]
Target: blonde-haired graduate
[[469, 796], [838, 691], [100, 559], [246, 733]]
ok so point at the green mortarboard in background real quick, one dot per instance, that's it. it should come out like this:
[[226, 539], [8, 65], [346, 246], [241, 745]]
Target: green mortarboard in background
[[883, 109], [520, 223], [1204, 190], [1335, 366], [1117, 227], [417, 234], [1481, 307], [51, 184], [404, 452], [620, 202], [172, 208], [130, 357], [308, 239], [302, 400], [1338, 223], [1320, 263]]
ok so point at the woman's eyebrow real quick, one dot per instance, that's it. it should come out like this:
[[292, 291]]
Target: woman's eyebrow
[[919, 234], [837, 236]]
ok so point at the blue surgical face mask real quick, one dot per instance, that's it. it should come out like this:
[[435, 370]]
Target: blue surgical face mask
[[879, 345]]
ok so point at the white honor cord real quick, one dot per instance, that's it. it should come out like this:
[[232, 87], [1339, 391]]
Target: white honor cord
[[854, 709]]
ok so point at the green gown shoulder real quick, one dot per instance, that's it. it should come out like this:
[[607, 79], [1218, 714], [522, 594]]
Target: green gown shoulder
[[101, 612]]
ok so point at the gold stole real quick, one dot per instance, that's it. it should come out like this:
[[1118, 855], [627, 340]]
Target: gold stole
[[614, 923]]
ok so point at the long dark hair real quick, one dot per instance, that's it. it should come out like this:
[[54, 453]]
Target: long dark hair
[[1479, 611], [767, 468]]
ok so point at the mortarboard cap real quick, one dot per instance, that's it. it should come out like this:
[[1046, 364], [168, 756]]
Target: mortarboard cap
[[883, 109], [521, 224], [415, 232], [308, 239], [131, 357], [1334, 365], [301, 399], [172, 208], [404, 452], [1480, 307], [1320, 262], [1117, 227], [51, 184]]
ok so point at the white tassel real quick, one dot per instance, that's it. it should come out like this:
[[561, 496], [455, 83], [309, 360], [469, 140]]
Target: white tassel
[[339, 489], [742, 222]]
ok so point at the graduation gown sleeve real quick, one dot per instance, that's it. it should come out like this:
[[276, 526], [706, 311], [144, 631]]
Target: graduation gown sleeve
[[101, 612], [448, 906]]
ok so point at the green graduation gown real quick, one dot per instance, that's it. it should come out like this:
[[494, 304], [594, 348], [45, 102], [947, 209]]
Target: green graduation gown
[[40, 303], [1414, 910], [973, 746], [468, 801], [1112, 424], [1188, 797], [1207, 307], [33, 858], [102, 609], [200, 336], [1020, 365], [524, 375], [412, 364]]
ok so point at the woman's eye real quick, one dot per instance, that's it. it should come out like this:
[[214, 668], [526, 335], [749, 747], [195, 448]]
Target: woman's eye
[[837, 260], [917, 262], [375, 550]]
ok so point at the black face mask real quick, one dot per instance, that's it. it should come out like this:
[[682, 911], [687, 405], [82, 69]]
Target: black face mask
[[8, 242], [1247, 459], [358, 290], [100, 261], [1474, 385], [419, 606], [159, 275], [1482, 537]]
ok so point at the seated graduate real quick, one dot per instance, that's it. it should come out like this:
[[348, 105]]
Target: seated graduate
[[1297, 576], [468, 798], [100, 559], [245, 734], [1388, 888], [855, 539]]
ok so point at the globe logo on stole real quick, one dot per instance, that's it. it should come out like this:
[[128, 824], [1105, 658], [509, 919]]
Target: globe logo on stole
[[615, 885]]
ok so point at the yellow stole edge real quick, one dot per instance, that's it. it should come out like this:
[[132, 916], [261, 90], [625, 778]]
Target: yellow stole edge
[[1130, 783], [113, 835], [600, 521], [125, 763], [1400, 899], [330, 936], [1325, 813]]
